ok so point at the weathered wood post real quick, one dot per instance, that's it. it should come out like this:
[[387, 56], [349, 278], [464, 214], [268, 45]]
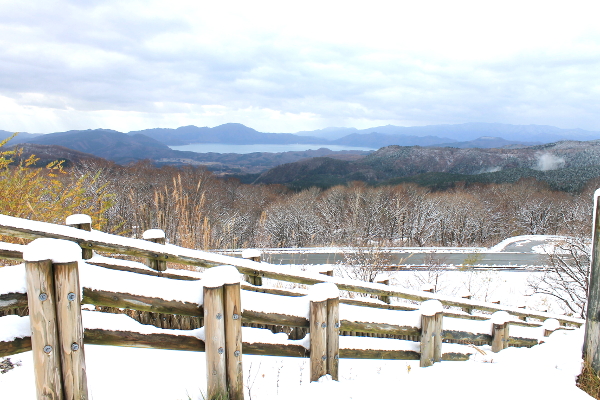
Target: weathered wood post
[[591, 344], [155, 236], [467, 309], [333, 336], [54, 295], [254, 255], [431, 332], [500, 330], [324, 330], [223, 333], [214, 330], [44, 329], [385, 299], [84, 222], [233, 340]]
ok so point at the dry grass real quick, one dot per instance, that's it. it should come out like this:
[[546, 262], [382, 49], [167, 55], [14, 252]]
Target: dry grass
[[588, 381]]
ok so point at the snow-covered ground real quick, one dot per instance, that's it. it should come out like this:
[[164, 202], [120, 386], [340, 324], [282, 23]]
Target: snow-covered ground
[[547, 371]]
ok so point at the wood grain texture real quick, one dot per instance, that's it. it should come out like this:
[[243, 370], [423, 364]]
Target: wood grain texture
[[427, 340], [437, 338], [44, 329], [70, 329], [233, 341], [155, 263], [318, 339], [214, 329], [499, 337], [19, 345], [165, 341], [333, 338], [372, 327]]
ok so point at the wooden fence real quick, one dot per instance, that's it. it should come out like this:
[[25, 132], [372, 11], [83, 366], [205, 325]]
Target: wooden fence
[[58, 333]]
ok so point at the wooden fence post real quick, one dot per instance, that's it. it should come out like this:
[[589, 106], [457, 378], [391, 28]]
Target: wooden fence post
[[318, 339], [233, 341], [333, 337], [84, 222], [324, 322], [591, 344], [385, 299], [254, 255], [53, 293], [155, 236], [214, 329], [467, 309], [70, 327], [431, 332], [45, 343], [500, 330]]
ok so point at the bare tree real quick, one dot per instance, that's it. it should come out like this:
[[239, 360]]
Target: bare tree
[[566, 279], [364, 263]]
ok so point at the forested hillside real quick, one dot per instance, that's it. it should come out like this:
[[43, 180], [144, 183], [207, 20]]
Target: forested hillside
[[566, 165], [199, 210]]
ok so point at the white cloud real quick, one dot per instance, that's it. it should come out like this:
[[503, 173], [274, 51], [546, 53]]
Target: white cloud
[[289, 66]]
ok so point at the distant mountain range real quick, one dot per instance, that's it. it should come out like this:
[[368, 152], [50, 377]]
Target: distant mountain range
[[404, 153], [466, 132], [482, 135]]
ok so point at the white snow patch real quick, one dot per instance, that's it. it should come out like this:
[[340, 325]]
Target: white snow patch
[[251, 253], [94, 277], [522, 240], [369, 343], [153, 234], [323, 291], [500, 317], [77, 219], [551, 324], [57, 250], [431, 307], [221, 275], [380, 316], [270, 303], [13, 279], [122, 322], [12, 247], [13, 327], [258, 335]]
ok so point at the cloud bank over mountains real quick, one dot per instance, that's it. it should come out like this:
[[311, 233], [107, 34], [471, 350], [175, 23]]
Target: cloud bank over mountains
[[286, 67]]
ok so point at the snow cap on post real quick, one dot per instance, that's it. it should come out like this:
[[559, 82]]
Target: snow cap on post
[[153, 234], [221, 275], [551, 324], [501, 317], [57, 250], [251, 253], [77, 219], [323, 291], [431, 307]]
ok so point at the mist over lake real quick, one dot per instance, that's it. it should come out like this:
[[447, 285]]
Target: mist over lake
[[253, 148]]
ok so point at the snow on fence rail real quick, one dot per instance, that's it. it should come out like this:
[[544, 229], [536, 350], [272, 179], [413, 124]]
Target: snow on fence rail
[[56, 329], [100, 241]]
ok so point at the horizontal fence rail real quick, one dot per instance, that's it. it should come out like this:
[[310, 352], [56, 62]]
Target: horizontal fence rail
[[116, 244], [56, 328]]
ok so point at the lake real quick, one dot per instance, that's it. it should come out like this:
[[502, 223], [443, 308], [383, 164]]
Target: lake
[[254, 148]]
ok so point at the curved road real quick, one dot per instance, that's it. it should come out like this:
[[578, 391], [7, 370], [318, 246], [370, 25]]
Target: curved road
[[519, 253]]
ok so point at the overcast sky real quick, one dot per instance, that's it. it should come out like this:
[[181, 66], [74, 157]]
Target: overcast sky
[[286, 66]]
